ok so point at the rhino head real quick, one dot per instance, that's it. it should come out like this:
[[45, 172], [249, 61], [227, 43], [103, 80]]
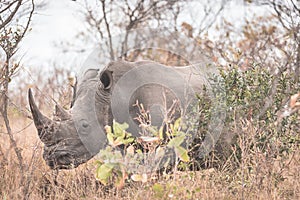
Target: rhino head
[[75, 136], [63, 148]]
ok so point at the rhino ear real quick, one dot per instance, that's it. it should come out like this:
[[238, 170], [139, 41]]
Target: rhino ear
[[106, 79]]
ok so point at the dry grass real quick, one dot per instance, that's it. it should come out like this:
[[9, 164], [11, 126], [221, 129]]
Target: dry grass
[[258, 176]]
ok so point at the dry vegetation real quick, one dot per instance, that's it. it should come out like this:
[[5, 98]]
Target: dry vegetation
[[261, 79], [257, 176]]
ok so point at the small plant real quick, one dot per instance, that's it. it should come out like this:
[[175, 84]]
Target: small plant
[[138, 158]]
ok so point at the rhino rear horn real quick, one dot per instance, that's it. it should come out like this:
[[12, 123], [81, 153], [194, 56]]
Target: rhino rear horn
[[61, 113]]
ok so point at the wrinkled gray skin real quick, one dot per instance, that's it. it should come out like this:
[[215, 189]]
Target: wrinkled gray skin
[[72, 137]]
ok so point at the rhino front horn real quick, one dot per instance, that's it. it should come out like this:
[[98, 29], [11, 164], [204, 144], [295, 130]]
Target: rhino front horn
[[42, 123]]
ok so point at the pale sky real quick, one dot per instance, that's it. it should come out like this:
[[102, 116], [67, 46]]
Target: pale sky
[[60, 21]]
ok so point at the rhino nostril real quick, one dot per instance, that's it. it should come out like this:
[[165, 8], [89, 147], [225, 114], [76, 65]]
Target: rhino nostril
[[65, 159]]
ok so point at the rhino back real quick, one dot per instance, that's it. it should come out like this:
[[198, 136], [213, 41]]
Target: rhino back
[[157, 91]]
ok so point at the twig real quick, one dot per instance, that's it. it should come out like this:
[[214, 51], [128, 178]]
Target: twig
[[4, 160], [12, 14], [108, 31], [5, 117]]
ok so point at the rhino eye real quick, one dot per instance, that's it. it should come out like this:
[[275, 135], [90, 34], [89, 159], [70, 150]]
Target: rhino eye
[[106, 79], [84, 127], [85, 124]]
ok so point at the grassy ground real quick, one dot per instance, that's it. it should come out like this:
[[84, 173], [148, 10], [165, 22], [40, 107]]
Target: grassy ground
[[257, 176]]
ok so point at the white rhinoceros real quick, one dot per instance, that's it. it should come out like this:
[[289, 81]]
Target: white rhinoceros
[[77, 135]]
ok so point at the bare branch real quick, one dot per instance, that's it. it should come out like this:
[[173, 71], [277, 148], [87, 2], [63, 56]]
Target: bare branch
[[108, 30], [26, 26], [8, 7], [12, 14], [278, 12]]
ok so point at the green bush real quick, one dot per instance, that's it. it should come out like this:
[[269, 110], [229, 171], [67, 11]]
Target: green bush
[[254, 124], [259, 97]]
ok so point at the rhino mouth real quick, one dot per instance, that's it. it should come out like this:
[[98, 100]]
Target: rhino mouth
[[62, 156], [64, 161], [61, 159]]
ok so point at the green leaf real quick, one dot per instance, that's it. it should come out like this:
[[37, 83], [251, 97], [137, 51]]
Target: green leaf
[[182, 153], [110, 139], [128, 140], [104, 172], [98, 162], [121, 140], [176, 141], [177, 124], [139, 151], [109, 135], [118, 141], [161, 133], [120, 134], [119, 129]]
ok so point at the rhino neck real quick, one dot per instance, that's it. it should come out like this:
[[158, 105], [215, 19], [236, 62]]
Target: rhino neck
[[88, 122], [103, 107]]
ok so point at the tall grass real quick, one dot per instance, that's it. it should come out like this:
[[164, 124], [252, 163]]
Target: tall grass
[[258, 176]]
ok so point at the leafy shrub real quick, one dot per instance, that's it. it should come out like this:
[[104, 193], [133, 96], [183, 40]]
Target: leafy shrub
[[140, 157], [254, 98]]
